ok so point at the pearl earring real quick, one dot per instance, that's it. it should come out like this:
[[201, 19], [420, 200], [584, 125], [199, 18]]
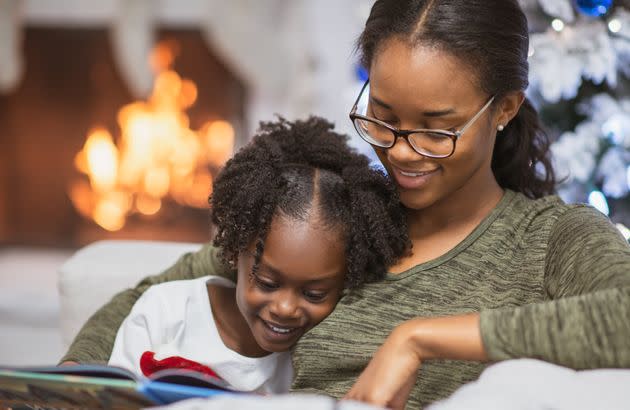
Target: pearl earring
[[500, 127]]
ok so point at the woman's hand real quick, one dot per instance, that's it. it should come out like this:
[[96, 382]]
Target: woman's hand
[[391, 374]]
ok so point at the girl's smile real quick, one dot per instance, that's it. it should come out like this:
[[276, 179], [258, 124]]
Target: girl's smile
[[287, 294]]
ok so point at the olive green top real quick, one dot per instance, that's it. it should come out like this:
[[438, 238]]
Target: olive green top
[[552, 281]]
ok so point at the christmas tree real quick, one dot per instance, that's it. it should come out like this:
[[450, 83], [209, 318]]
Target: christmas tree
[[580, 81]]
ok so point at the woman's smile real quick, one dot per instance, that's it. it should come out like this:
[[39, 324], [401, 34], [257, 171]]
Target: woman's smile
[[413, 179]]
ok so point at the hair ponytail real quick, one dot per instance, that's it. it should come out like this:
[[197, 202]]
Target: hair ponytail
[[303, 168], [520, 160], [374, 239]]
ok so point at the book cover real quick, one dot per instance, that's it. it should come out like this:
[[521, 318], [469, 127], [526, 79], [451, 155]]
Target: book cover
[[100, 387]]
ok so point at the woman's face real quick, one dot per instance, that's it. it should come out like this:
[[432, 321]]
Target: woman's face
[[298, 282], [423, 87]]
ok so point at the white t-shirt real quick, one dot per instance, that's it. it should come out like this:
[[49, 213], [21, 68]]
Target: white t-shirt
[[175, 319]]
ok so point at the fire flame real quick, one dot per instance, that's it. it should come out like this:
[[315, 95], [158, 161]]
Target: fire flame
[[157, 154]]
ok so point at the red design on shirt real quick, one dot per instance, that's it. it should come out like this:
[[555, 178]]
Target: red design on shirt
[[149, 365]]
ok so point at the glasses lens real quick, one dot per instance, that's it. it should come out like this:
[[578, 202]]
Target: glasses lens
[[374, 133], [433, 144]]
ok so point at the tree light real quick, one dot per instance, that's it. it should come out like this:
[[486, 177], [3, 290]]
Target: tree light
[[614, 26], [598, 200], [624, 230], [531, 51], [557, 25]]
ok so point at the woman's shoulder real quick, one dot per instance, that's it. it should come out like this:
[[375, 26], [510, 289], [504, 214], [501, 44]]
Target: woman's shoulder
[[546, 205], [544, 211], [552, 216], [520, 218], [552, 208]]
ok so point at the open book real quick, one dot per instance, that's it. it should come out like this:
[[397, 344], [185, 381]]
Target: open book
[[100, 387]]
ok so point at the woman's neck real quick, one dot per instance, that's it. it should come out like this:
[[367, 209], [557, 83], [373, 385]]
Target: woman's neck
[[233, 329], [436, 230], [466, 207]]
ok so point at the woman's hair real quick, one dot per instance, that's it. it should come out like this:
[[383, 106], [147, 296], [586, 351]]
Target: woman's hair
[[290, 169], [491, 36]]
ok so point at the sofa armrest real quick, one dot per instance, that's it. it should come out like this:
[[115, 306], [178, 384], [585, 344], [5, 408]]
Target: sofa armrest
[[98, 271]]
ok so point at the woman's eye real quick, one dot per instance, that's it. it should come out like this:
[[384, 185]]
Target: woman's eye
[[384, 118], [314, 296], [442, 127]]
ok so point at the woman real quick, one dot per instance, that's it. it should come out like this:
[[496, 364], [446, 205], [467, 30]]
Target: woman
[[499, 267]]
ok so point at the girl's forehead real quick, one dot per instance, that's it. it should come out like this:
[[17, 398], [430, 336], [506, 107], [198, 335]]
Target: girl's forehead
[[304, 248]]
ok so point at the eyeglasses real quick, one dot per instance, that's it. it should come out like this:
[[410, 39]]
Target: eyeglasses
[[431, 143]]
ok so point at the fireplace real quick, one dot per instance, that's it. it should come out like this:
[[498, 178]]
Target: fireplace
[[71, 86]]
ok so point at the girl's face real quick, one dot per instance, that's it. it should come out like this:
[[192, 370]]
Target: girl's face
[[423, 87], [299, 280]]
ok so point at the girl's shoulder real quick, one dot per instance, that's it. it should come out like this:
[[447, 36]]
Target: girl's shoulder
[[178, 287], [177, 295]]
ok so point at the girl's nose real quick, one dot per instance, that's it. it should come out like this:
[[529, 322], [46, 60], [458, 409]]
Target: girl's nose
[[285, 306]]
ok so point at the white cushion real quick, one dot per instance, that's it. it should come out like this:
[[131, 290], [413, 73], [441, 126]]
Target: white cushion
[[98, 271], [528, 384], [29, 305]]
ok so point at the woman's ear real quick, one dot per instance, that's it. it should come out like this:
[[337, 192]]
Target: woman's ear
[[508, 107]]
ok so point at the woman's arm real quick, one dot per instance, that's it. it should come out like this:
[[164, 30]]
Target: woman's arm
[[582, 332], [587, 325], [587, 331], [95, 340], [391, 374]]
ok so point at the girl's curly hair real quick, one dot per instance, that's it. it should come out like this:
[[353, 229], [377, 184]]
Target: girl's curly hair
[[290, 167]]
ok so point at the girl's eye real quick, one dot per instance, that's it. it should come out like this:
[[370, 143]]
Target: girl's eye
[[315, 297], [264, 284]]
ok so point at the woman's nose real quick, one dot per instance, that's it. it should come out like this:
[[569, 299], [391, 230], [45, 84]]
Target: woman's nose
[[402, 152]]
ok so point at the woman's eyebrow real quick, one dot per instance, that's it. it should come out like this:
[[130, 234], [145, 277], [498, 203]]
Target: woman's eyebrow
[[437, 113], [440, 113], [381, 103]]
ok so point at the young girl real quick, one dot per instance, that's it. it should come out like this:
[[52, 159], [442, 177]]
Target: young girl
[[300, 217]]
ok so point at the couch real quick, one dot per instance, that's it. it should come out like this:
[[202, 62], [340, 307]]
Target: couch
[[96, 272]]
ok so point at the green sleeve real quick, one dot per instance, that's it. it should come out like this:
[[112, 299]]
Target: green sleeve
[[586, 324], [95, 340]]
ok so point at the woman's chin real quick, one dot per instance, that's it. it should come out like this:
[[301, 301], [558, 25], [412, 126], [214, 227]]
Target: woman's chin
[[415, 200]]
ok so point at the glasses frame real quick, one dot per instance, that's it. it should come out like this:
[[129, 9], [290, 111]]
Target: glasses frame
[[398, 133]]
